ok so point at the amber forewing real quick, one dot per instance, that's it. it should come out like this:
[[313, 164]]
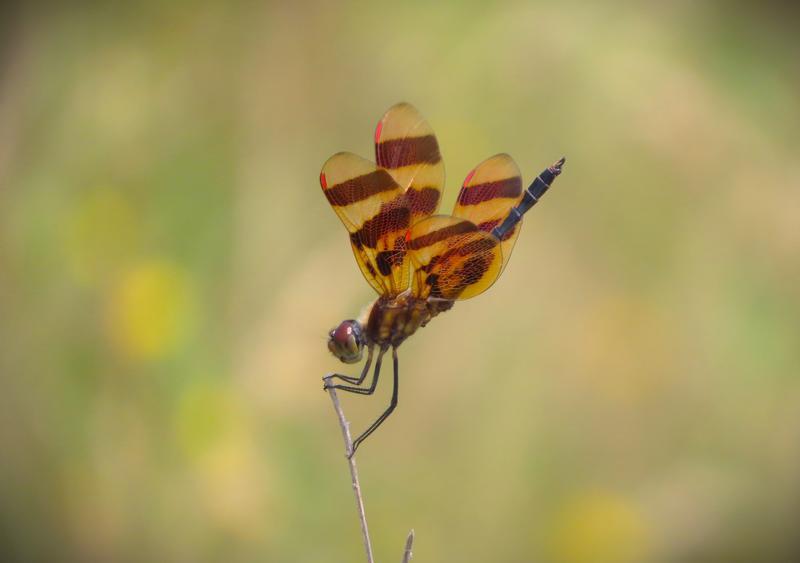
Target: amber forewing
[[453, 259], [488, 194], [406, 146], [372, 206]]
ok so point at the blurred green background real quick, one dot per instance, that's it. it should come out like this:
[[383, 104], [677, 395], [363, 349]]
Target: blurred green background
[[627, 392]]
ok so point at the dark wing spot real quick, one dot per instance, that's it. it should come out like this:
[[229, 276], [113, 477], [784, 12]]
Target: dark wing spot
[[433, 281], [388, 258]]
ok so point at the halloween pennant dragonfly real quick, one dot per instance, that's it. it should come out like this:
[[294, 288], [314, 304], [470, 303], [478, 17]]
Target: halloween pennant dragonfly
[[418, 262]]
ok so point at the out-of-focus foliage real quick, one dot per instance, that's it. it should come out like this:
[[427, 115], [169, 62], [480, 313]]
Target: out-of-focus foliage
[[628, 391]]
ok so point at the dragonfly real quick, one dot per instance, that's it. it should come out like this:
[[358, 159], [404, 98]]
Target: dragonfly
[[419, 262]]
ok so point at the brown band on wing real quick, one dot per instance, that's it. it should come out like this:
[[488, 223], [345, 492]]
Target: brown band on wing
[[477, 246], [360, 188], [440, 234], [396, 153], [391, 217], [487, 226], [473, 269], [423, 200], [508, 187], [470, 272]]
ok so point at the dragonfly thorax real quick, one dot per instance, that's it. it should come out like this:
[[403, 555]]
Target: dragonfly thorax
[[391, 320]]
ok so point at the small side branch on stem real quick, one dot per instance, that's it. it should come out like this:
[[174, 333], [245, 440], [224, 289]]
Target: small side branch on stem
[[407, 555]]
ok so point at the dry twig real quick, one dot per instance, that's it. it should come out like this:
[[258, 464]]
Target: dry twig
[[351, 460]]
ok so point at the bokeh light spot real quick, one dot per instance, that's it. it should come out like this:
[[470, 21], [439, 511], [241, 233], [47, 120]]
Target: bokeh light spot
[[149, 310], [599, 527]]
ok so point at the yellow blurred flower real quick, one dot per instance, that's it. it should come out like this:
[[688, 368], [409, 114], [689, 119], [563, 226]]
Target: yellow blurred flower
[[149, 310], [599, 527]]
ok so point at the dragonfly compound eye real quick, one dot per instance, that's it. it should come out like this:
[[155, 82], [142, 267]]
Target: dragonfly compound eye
[[345, 341]]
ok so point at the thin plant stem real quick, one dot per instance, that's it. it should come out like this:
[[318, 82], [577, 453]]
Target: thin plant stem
[[351, 460]]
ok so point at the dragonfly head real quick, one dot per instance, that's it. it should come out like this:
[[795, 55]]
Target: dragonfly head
[[346, 341]]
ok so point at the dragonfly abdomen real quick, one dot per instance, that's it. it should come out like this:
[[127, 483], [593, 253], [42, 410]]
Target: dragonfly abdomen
[[531, 196]]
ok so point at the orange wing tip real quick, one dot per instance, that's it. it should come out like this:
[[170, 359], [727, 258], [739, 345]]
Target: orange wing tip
[[378, 130], [323, 181], [469, 177]]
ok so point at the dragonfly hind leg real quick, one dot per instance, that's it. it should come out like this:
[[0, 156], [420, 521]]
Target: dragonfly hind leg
[[388, 411]]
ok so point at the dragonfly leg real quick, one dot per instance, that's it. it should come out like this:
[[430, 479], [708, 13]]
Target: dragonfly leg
[[387, 412], [349, 379], [362, 390]]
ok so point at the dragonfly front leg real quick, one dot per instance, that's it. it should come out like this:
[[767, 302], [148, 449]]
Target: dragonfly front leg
[[388, 411], [350, 379], [361, 390]]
